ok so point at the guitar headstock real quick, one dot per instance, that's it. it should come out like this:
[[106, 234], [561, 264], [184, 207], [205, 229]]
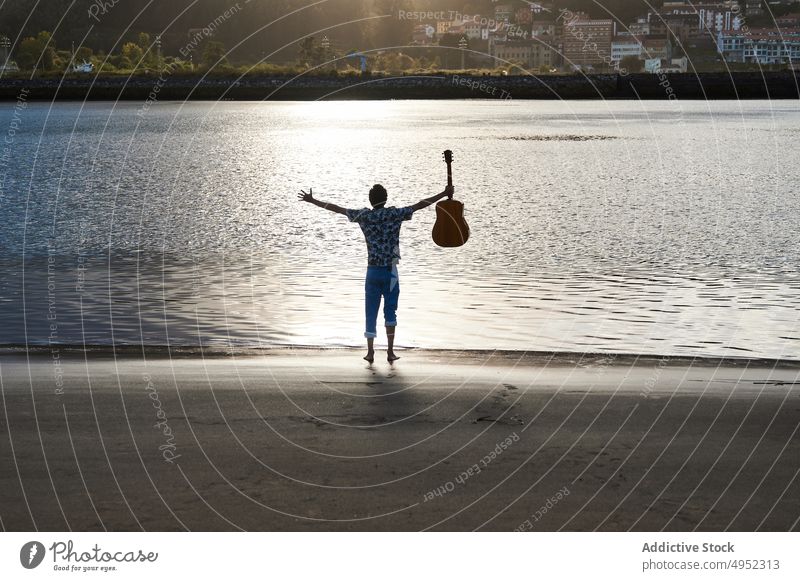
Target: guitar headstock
[[448, 156]]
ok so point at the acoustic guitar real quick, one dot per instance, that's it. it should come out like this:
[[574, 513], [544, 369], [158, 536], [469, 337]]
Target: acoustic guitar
[[450, 229]]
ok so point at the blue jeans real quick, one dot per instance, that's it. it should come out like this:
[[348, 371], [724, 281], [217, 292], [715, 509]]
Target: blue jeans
[[382, 281]]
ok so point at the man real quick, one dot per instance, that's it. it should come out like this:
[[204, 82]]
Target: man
[[381, 228]]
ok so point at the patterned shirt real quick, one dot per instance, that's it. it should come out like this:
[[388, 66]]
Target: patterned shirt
[[381, 227]]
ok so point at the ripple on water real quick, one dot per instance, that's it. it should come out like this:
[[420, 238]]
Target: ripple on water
[[579, 241]]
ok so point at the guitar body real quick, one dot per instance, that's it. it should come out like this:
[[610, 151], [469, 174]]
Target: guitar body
[[451, 229]]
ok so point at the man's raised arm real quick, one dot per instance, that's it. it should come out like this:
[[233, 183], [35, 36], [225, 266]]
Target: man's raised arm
[[448, 192], [309, 197]]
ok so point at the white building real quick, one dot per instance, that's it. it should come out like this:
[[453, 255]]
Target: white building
[[684, 19], [625, 46], [639, 28], [730, 44], [648, 48], [718, 18], [765, 46], [657, 65], [679, 65], [474, 30]]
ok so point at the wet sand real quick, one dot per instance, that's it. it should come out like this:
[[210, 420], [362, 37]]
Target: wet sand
[[316, 440]]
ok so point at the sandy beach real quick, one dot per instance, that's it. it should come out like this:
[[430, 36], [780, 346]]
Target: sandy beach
[[316, 440]]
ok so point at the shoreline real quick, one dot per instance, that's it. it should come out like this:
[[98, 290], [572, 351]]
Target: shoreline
[[639, 86], [498, 355]]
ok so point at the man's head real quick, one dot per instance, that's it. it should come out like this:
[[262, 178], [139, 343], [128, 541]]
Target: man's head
[[378, 196]]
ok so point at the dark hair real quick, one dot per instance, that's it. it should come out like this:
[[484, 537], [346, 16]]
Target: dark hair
[[378, 196]]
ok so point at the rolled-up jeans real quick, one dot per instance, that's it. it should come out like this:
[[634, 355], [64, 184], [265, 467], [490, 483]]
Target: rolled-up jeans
[[382, 282]]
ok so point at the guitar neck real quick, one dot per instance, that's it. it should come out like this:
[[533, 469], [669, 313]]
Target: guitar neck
[[449, 174]]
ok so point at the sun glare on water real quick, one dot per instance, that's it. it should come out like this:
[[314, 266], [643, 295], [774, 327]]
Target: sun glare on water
[[344, 111]]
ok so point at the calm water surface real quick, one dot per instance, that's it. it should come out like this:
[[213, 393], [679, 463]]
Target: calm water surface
[[627, 227]]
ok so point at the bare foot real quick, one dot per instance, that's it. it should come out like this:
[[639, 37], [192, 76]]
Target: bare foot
[[390, 356], [369, 357]]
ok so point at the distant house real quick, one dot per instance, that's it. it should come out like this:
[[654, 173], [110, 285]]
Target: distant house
[[543, 53], [648, 48], [523, 15], [716, 18], [788, 20], [543, 9], [679, 65], [700, 41], [443, 27], [657, 47], [652, 65], [531, 54], [515, 51], [639, 28], [753, 8], [423, 34], [770, 46], [625, 46], [764, 46], [683, 19], [582, 32], [503, 12], [679, 19], [731, 46], [474, 30]]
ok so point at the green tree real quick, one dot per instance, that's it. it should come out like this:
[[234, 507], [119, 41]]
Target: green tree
[[106, 67], [631, 63], [308, 50], [132, 52], [214, 54], [395, 63], [63, 57], [37, 49], [145, 43], [320, 55], [84, 53], [122, 63], [450, 58], [143, 40]]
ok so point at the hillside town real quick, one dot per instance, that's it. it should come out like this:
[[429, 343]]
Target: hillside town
[[679, 36], [502, 37]]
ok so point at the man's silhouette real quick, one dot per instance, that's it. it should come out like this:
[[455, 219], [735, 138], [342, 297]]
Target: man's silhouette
[[381, 228]]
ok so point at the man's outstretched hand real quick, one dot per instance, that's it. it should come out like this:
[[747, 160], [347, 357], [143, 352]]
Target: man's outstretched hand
[[309, 197], [448, 191]]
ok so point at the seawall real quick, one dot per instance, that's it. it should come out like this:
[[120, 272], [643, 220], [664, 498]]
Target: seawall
[[768, 85]]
